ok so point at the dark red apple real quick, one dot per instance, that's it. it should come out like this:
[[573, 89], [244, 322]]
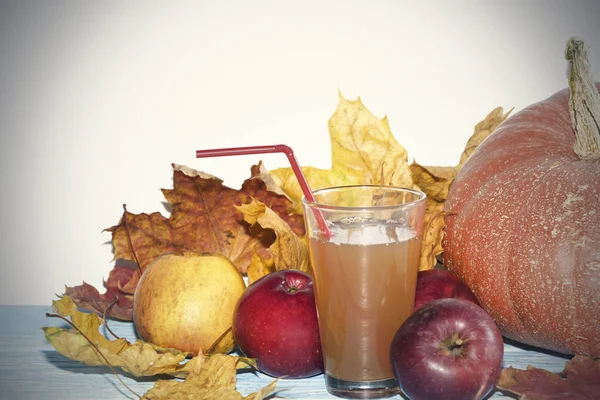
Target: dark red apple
[[433, 284], [275, 321], [448, 349]]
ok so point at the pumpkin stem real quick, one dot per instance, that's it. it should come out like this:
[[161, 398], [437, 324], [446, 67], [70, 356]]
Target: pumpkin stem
[[584, 101]]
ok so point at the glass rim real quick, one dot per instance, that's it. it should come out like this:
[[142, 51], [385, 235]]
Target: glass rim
[[421, 198]]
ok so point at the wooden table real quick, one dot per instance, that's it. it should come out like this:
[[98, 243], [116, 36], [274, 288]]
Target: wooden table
[[31, 369]]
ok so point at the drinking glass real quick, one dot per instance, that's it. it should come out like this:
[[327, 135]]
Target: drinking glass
[[365, 260]]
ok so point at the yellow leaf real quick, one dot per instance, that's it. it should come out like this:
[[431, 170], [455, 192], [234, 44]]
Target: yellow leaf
[[436, 181], [363, 151], [363, 144], [317, 179], [433, 230], [433, 181], [210, 378], [482, 130], [139, 358], [288, 250], [206, 377], [259, 267]]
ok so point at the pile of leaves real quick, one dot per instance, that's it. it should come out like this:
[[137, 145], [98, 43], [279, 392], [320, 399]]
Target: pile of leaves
[[260, 228], [579, 380], [202, 377]]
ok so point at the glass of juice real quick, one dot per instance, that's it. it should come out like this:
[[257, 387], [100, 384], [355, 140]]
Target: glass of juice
[[365, 244]]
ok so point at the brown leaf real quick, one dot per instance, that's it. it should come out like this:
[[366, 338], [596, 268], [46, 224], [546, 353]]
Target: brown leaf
[[579, 380], [86, 296], [210, 378], [203, 219], [261, 172]]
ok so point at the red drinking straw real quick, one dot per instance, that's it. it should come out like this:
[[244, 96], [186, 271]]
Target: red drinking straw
[[277, 148]]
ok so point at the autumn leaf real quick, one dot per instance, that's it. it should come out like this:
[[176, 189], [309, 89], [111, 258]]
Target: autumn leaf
[[482, 130], [203, 219], [86, 296], [206, 377], [435, 182], [579, 380], [433, 227], [84, 343], [259, 171], [288, 251], [210, 378], [259, 267], [363, 151]]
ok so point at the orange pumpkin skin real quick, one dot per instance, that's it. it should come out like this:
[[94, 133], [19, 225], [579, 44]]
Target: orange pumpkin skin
[[523, 230]]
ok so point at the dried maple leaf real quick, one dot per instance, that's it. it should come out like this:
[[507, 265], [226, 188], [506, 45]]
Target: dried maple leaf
[[579, 380], [210, 378], [86, 296], [139, 358], [259, 267], [261, 172], [206, 377], [288, 251], [435, 182], [433, 227], [482, 130], [363, 151], [203, 219]]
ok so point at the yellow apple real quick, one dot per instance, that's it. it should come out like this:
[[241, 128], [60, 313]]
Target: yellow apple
[[186, 302]]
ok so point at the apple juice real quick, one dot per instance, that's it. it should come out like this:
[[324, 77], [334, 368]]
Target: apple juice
[[365, 282]]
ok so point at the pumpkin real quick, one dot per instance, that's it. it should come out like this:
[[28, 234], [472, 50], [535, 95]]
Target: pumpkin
[[523, 219]]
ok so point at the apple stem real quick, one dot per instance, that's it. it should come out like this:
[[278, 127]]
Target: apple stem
[[292, 289], [452, 346]]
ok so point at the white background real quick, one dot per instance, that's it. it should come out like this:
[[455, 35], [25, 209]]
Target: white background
[[98, 98]]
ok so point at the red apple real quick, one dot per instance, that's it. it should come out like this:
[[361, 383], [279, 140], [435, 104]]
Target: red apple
[[448, 349], [275, 321], [436, 284]]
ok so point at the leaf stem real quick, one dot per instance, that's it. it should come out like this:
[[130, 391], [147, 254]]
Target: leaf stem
[[108, 364], [213, 346], [584, 101], [107, 312], [129, 238]]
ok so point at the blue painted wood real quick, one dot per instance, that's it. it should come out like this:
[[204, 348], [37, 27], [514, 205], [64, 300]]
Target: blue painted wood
[[31, 369]]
